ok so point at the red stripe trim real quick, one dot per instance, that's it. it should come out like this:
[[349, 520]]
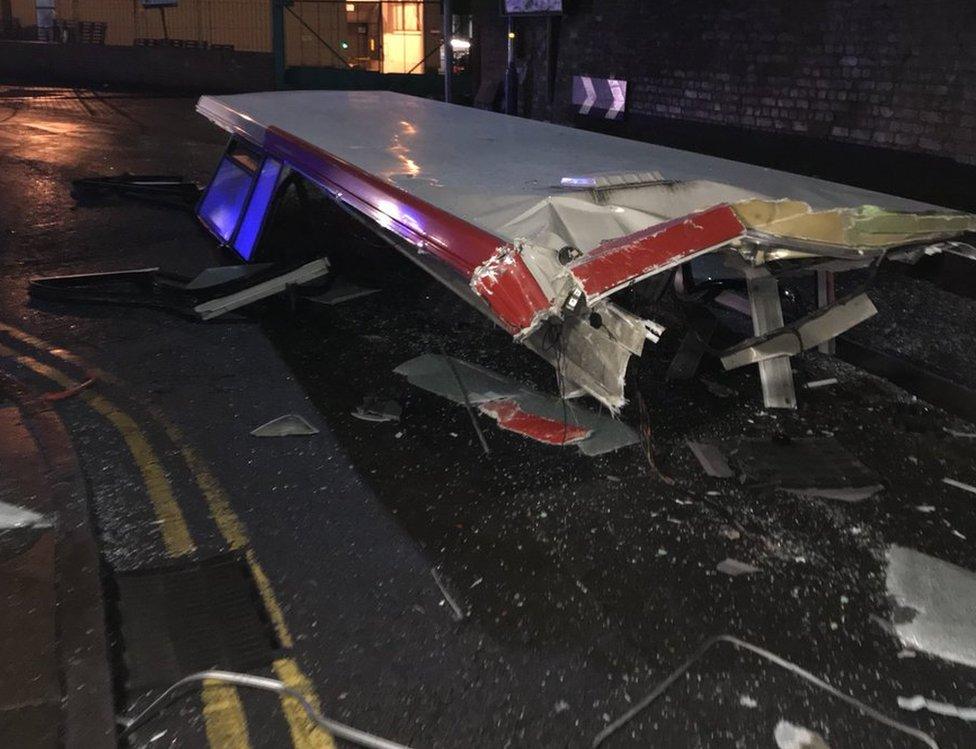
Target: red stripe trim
[[510, 416], [458, 243], [514, 295], [617, 263]]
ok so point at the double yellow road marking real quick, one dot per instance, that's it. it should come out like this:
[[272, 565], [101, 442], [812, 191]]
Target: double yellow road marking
[[172, 524], [223, 712]]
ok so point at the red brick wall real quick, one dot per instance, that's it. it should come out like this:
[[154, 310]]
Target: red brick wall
[[895, 74]]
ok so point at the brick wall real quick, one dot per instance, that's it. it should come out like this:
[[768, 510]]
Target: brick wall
[[895, 74]]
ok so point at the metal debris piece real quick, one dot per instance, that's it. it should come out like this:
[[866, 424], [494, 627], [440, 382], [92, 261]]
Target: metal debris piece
[[306, 273], [339, 730], [289, 425], [808, 466], [512, 418], [712, 459], [341, 291], [457, 611], [841, 494], [222, 289], [959, 485], [773, 658], [775, 372], [60, 395], [701, 327], [221, 274], [814, 384], [374, 409], [542, 417], [790, 736], [918, 702], [735, 568], [936, 605], [957, 433], [164, 189], [14, 517], [820, 326]]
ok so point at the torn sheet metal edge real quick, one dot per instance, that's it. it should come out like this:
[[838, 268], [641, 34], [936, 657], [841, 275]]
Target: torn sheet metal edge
[[943, 599], [596, 359], [819, 326], [433, 373], [661, 688], [216, 307]]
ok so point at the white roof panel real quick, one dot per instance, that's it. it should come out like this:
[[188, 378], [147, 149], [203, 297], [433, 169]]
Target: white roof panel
[[490, 168]]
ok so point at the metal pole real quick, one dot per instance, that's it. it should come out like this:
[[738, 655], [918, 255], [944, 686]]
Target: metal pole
[[448, 50], [278, 41], [511, 74]]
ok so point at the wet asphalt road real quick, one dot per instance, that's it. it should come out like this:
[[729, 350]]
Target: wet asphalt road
[[584, 581]]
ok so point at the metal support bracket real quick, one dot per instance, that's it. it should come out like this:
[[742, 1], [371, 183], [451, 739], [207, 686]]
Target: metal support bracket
[[776, 374], [826, 296]]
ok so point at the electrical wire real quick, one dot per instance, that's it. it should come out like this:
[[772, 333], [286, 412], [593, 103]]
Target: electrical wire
[[782, 663], [340, 730], [552, 339], [467, 401]]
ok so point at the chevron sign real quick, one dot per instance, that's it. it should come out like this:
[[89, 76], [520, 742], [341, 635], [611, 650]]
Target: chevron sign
[[602, 97]]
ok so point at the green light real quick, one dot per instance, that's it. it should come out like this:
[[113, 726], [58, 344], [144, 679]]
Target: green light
[[344, 45]]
